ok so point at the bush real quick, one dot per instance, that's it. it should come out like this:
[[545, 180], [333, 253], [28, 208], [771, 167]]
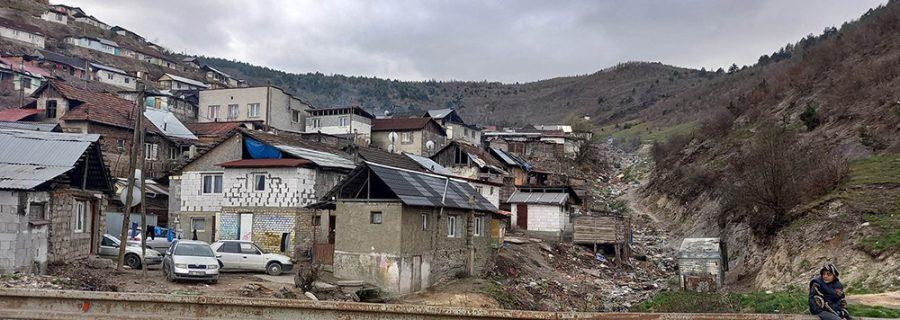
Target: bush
[[717, 125], [810, 118], [662, 152], [777, 173]]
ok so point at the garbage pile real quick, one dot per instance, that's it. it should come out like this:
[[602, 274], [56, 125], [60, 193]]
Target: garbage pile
[[72, 276]]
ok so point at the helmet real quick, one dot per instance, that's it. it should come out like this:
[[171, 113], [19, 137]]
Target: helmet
[[830, 268]]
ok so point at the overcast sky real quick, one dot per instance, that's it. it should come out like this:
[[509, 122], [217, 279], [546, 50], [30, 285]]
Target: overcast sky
[[501, 40]]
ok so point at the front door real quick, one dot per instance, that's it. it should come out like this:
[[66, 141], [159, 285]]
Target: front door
[[522, 216], [416, 273], [331, 223], [246, 228]]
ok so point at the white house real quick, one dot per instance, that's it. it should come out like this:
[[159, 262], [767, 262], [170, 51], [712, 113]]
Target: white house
[[83, 18], [55, 16], [544, 210], [14, 30], [113, 76], [341, 121], [97, 44], [173, 82]]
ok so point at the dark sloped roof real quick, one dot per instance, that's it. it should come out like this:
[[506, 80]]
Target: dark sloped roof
[[74, 62], [266, 163], [98, 107], [213, 128], [389, 159], [474, 150], [402, 124], [13, 24], [421, 189]]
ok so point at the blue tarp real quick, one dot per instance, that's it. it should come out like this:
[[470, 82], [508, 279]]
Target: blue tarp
[[259, 150]]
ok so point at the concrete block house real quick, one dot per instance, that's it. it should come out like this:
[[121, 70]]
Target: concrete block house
[[406, 230], [254, 186], [267, 105], [419, 136], [544, 210], [347, 122], [52, 190]]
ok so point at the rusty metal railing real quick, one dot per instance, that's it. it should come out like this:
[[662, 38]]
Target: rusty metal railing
[[64, 304]]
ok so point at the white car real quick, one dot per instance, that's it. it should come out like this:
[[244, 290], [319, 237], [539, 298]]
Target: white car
[[191, 260], [245, 255], [109, 248]]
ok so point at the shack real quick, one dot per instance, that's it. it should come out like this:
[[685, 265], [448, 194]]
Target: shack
[[703, 262], [604, 231]]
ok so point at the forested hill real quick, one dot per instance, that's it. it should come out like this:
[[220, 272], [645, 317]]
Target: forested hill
[[608, 96]]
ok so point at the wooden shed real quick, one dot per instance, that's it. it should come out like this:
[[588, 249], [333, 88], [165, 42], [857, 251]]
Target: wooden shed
[[702, 262], [599, 230]]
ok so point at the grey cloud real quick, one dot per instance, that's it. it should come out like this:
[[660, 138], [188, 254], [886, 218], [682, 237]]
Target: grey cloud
[[475, 40]]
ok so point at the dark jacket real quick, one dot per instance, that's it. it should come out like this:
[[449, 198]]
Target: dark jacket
[[823, 297]]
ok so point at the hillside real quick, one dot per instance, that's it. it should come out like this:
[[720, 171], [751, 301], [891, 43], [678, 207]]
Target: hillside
[[608, 96]]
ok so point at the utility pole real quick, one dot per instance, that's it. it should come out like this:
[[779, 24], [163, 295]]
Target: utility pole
[[136, 148], [143, 201]]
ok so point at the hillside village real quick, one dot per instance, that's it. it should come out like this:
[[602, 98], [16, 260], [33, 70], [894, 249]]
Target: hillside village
[[440, 205]]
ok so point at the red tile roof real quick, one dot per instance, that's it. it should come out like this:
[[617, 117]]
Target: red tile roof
[[265, 163], [394, 124], [98, 107], [17, 114], [213, 128]]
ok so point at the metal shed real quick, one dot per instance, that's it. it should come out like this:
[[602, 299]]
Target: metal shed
[[702, 262]]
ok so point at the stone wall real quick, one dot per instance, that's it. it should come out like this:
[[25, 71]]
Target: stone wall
[[23, 242], [267, 229], [65, 243], [117, 159]]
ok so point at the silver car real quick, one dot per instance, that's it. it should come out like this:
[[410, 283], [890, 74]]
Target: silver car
[[191, 260], [109, 248], [245, 255]]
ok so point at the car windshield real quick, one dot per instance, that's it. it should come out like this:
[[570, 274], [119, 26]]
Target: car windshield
[[193, 250]]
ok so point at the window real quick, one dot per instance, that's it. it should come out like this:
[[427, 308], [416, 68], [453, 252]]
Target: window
[[51, 109], [315, 123], [109, 76], [120, 145], [406, 137], [342, 121], [229, 247], [451, 227], [295, 117], [108, 242], [248, 248], [151, 151], [26, 83], [174, 153], [259, 182], [425, 221], [80, 212], [253, 110], [479, 226], [212, 183], [233, 111], [127, 80], [479, 189], [198, 224], [213, 112], [375, 217], [36, 212], [317, 221], [492, 191]]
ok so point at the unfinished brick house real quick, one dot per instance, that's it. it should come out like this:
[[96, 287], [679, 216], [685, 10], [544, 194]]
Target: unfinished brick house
[[52, 190], [406, 230]]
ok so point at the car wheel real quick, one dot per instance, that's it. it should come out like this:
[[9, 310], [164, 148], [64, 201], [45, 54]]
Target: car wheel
[[214, 281], [133, 261], [273, 269]]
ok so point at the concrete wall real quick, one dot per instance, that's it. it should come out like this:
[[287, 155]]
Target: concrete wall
[[544, 217], [457, 131], [285, 187], [117, 79], [330, 124], [192, 197], [488, 191], [26, 37], [91, 44], [417, 146], [56, 17], [275, 106], [23, 246]]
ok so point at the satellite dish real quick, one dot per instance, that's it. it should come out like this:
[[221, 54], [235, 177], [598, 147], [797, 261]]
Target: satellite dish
[[391, 148], [392, 136], [429, 145], [135, 191]]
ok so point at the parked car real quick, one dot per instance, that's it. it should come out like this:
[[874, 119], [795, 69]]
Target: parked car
[[159, 243], [245, 255], [109, 248], [191, 260]]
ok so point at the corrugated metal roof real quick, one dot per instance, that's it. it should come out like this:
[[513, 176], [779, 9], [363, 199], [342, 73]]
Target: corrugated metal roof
[[170, 126], [33, 126], [699, 248], [152, 186], [429, 164], [539, 197], [265, 163], [27, 176], [320, 158], [108, 68], [422, 189], [186, 80], [39, 156]]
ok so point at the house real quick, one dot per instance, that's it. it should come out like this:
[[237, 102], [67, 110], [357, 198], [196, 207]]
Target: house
[[67, 10], [514, 164], [85, 111], [112, 76], [218, 79], [272, 106], [181, 103], [173, 82], [420, 136], [191, 63], [544, 210], [702, 263], [253, 186], [405, 230], [456, 128], [96, 44], [80, 16], [16, 74], [21, 32], [468, 160], [127, 33], [55, 15], [60, 64], [353, 122], [52, 190]]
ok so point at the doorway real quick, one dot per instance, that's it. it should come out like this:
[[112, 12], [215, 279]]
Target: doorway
[[522, 216]]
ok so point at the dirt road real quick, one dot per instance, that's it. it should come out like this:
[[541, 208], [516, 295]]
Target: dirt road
[[887, 299]]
